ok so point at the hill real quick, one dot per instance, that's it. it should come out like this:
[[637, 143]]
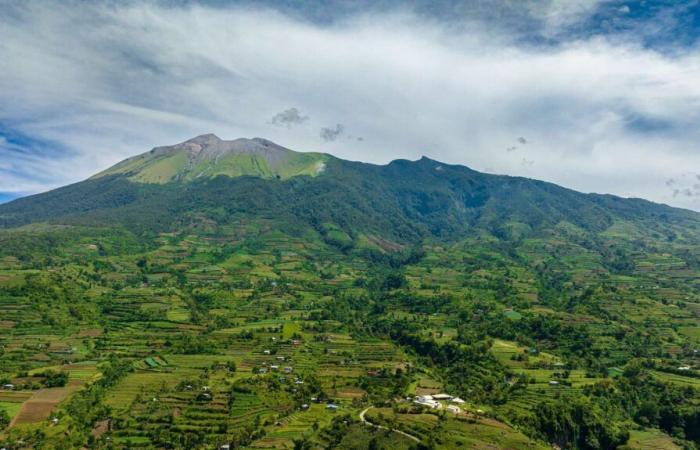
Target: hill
[[239, 293]]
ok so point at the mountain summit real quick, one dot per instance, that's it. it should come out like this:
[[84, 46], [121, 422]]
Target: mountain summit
[[208, 156]]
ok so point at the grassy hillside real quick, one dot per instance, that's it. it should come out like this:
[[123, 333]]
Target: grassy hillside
[[208, 156]]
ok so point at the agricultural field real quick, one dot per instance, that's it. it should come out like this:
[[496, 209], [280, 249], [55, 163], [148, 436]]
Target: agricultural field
[[248, 336]]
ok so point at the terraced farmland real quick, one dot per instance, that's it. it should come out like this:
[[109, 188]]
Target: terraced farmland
[[255, 337]]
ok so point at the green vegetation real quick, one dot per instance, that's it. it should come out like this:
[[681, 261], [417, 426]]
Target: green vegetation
[[207, 157], [269, 313]]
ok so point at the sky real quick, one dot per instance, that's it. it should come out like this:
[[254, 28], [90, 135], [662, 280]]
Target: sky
[[599, 96]]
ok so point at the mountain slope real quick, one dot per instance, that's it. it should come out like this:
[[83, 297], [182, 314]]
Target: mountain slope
[[404, 201]]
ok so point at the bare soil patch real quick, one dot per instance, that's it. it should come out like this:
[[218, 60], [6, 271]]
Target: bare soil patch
[[44, 401]]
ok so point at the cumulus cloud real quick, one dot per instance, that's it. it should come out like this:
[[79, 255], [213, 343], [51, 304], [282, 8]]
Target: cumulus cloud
[[288, 117], [103, 81], [558, 14], [685, 185], [331, 134]]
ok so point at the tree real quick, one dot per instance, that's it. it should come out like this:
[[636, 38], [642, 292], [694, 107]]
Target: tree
[[4, 419], [578, 423], [302, 444]]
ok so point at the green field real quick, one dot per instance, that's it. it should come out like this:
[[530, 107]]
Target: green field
[[10, 408]]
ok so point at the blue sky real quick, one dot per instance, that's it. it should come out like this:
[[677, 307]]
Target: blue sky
[[600, 96], [7, 197]]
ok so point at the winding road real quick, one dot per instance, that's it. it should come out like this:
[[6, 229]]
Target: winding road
[[366, 422]]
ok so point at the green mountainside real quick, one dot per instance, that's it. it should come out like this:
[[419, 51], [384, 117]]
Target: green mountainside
[[207, 156], [239, 293], [404, 200]]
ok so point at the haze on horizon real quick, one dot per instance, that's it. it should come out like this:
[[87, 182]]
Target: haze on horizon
[[599, 96]]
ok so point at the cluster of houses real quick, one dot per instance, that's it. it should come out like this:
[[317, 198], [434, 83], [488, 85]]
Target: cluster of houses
[[294, 342], [437, 401], [205, 395], [275, 367], [329, 406]]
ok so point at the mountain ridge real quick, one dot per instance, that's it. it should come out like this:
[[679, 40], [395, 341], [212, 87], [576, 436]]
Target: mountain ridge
[[403, 201]]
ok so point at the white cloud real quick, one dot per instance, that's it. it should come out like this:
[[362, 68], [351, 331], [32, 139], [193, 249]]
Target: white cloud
[[560, 13], [110, 81]]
